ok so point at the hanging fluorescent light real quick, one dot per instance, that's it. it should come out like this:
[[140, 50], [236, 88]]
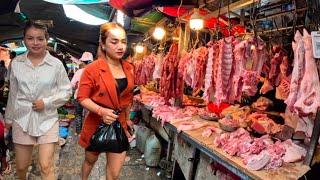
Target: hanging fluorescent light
[[159, 33], [139, 48], [196, 22], [78, 14], [120, 17]]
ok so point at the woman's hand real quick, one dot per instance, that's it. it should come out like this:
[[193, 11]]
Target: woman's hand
[[108, 116], [38, 105]]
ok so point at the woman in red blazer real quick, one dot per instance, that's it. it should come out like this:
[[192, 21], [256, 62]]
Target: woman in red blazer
[[106, 85]]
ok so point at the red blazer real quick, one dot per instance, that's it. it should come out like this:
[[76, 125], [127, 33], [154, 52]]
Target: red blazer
[[98, 84]]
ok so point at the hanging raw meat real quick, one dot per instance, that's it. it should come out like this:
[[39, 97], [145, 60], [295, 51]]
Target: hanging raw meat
[[190, 68], [138, 77], [200, 57], [169, 73], [237, 70], [250, 82], [277, 59], [144, 69], [148, 66], [260, 55], [208, 80], [224, 69], [273, 78], [304, 98], [157, 67], [298, 70], [257, 52], [309, 100], [195, 69], [283, 90], [186, 58]]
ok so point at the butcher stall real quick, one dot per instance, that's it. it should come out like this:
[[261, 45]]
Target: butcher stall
[[232, 88]]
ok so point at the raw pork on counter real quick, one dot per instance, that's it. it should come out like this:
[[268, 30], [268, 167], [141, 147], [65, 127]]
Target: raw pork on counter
[[259, 153], [168, 113]]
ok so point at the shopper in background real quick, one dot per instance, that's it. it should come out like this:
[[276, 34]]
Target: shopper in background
[[85, 59], [106, 85], [38, 86], [58, 56], [4, 168], [5, 55]]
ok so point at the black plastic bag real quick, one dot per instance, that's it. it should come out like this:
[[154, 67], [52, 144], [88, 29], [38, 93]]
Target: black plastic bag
[[109, 138]]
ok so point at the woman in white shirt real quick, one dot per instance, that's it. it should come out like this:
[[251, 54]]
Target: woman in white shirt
[[38, 86]]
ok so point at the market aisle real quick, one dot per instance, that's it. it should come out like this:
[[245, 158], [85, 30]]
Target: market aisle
[[68, 166]]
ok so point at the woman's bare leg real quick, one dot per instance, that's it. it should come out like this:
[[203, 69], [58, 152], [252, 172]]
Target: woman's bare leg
[[46, 161], [23, 154], [88, 163], [114, 164]]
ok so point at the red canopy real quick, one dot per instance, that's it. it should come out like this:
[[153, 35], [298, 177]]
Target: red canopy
[[129, 5], [211, 23]]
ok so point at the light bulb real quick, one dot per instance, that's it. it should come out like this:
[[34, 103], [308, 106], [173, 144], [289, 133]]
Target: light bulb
[[196, 24], [159, 33], [139, 48]]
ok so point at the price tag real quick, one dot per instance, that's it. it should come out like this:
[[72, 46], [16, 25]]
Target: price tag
[[315, 35]]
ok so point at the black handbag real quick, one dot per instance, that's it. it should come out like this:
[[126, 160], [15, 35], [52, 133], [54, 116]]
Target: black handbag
[[109, 138]]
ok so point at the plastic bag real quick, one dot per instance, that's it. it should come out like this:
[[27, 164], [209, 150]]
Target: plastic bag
[[109, 138]]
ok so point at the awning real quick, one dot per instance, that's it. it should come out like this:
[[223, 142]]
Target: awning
[[144, 23], [134, 7], [101, 11], [211, 23]]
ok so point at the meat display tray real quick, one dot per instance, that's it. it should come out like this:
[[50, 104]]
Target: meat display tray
[[235, 164]]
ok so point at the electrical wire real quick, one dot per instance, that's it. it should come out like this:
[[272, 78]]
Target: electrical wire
[[218, 20], [178, 12], [229, 18]]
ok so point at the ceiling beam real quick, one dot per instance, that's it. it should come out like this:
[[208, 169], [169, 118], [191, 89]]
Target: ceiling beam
[[232, 7]]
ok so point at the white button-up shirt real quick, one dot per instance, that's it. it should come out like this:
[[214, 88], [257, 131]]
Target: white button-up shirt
[[47, 81]]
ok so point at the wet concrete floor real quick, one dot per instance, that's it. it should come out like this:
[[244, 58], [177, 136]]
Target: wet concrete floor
[[69, 158]]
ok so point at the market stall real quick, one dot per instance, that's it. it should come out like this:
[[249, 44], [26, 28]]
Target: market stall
[[242, 92]]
